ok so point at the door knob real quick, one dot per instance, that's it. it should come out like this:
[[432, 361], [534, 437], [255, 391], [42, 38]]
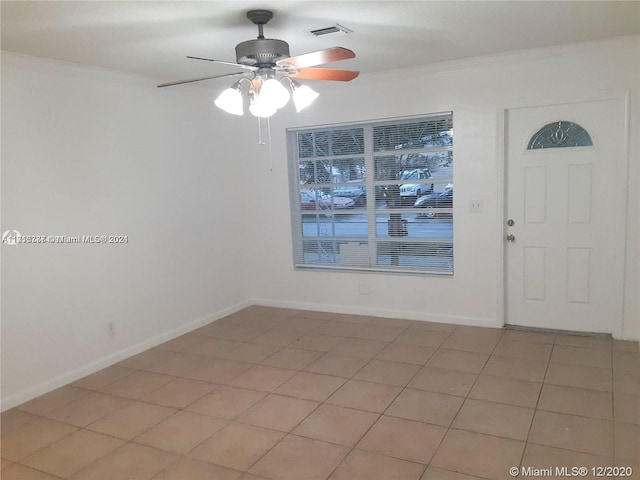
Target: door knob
[[510, 222], [511, 238]]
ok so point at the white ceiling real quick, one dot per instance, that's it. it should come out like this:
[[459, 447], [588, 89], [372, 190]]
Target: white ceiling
[[153, 37]]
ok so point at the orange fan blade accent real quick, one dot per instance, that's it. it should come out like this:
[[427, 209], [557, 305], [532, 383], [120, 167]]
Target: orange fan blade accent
[[325, 74], [320, 57]]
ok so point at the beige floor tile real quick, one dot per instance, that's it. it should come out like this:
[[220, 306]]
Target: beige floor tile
[[20, 472], [583, 357], [14, 418], [494, 419], [530, 337], [434, 473], [473, 340], [302, 324], [53, 400], [506, 390], [627, 442], [310, 386], [337, 329], [458, 360], [102, 378], [360, 347], [213, 347], [88, 409], [296, 457], [626, 408], [4, 463], [226, 402], [337, 365], [130, 462], [182, 344], [137, 384], [23, 441], [391, 322], [433, 326], [576, 376], [237, 446], [131, 420], [370, 397], [189, 469], [541, 456], [405, 353], [262, 378], [213, 329], [429, 407], [144, 359], [422, 337], [477, 454], [334, 424], [626, 381], [240, 333], [278, 413], [250, 352], [515, 368], [219, 371], [576, 401], [317, 342], [373, 332], [279, 337], [405, 439], [292, 358], [177, 364], [626, 361], [597, 343], [626, 346], [570, 432], [389, 373], [536, 352], [182, 432], [179, 393], [315, 315], [72, 453], [443, 381], [370, 466]]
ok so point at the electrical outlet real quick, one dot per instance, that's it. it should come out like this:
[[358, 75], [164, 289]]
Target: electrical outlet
[[475, 205], [111, 328]]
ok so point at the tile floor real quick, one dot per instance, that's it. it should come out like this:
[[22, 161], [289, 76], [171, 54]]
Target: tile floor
[[294, 395]]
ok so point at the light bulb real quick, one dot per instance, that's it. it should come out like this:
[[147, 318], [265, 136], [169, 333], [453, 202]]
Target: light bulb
[[273, 92], [230, 100], [303, 96], [260, 108]]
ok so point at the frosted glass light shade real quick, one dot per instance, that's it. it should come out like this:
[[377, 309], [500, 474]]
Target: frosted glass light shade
[[273, 92], [230, 100], [303, 96], [260, 108]]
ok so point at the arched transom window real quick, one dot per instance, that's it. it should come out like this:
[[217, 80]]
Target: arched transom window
[[560, 134]]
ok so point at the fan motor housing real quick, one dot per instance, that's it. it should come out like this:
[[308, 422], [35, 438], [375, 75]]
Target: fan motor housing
[[261, 51]]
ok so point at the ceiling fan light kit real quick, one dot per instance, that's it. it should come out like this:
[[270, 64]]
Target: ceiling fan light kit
[[270, 70]]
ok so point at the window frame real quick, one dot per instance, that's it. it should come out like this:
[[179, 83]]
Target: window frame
[[370, 184]]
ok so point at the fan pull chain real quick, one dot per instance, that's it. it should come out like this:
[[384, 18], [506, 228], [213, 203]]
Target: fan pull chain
[[261, 140]]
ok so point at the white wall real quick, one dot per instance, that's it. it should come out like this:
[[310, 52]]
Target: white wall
[[91, 152], [476, 91], [87, 151]]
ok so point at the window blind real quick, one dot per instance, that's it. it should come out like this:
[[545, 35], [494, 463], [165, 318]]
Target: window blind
[[376, 196]]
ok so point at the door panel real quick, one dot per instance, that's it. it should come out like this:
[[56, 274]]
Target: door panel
[[564, 266]]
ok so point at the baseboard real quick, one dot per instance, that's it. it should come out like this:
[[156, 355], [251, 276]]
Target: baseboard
[[378, 312], [115, 357]]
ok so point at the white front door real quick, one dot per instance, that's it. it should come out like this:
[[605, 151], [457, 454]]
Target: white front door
[[564, 251]]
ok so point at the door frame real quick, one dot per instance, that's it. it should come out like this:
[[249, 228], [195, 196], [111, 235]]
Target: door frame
[[618, 235]]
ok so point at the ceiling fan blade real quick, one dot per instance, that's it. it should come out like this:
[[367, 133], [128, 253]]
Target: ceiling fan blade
[[180, 82], [320, 57], [247, 67], [325, 74]]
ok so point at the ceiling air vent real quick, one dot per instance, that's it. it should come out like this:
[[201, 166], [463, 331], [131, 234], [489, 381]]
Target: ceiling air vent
[[337, 28]]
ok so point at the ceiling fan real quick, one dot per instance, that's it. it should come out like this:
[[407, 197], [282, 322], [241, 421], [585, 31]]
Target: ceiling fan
[[267, 67]]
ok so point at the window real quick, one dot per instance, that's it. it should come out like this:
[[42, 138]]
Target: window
[[560, 134], [376, 196]]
